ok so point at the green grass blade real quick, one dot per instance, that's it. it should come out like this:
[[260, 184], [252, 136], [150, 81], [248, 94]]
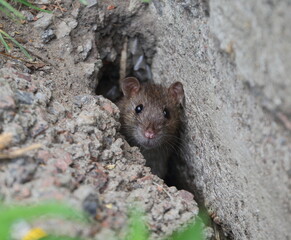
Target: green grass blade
[[6, 12], [17, 44], [11, 9], [32, 6], [4, 43]]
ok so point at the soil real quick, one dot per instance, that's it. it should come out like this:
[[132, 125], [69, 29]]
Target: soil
[[84, 160]]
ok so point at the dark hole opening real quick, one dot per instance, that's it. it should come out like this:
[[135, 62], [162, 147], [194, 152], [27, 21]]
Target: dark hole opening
[[130, 60], [138, 65], [108, 82]]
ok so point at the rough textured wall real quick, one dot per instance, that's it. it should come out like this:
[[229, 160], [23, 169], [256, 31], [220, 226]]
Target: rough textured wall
[[235, 65]]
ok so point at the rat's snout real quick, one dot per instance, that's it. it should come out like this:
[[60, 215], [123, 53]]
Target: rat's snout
[[149, 133]]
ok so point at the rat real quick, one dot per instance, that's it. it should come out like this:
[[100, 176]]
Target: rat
[[151, 118]]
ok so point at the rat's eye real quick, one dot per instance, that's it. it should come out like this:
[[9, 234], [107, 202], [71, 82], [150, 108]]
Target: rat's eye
[[139, 108], [166, 113]]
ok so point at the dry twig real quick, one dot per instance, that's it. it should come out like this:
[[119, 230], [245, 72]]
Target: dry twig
[[5, 140]]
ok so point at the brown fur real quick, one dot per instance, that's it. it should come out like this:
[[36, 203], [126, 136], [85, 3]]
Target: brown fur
[[154, 98]]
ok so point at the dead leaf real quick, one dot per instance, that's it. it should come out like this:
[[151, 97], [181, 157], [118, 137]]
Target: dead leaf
[[109, 205], [110, 166], [21, 40], [35, 66], [111, 7]]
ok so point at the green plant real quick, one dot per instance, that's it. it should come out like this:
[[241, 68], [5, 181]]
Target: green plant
[[192, 231], [9, 10], [14, 213], [6, 46], [13, 13], [137, 227], [137, 230]]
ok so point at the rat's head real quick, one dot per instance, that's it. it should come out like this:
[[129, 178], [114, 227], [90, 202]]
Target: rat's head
[[150, 113]]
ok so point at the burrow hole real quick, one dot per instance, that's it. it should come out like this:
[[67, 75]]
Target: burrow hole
[[126, 52]]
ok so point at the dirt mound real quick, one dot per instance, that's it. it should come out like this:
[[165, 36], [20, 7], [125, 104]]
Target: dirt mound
[[83, 161]]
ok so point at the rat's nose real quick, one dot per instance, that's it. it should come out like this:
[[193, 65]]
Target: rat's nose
[[149, 133]]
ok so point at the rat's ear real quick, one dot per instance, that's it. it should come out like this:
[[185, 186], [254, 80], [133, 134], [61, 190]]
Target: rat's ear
[[129, 86], [176, 90]]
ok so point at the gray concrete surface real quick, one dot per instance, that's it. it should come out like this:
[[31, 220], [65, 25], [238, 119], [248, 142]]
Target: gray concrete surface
[[235, 65]]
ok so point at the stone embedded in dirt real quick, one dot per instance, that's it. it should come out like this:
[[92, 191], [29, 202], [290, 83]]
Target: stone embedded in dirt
[[28, 15], [87, 119], [64, 161], [39, 128], [21, 192], [134, 47], [57, 109], [91, 204], [21, 170], [7, 102], [24, 97], [18, 132], [94, 149], [43, 156], [85, 49], [88, 68], [140, 67], [91, 3], [41, 97], [140, 63], [98, 179], [186, 196], [82, 99], [111, 55], [47, 35], [65, 27], [43, 20]]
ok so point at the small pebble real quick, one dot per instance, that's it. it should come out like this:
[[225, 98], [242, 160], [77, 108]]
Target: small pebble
[[24, 97], [48, 35], [91, 203]]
